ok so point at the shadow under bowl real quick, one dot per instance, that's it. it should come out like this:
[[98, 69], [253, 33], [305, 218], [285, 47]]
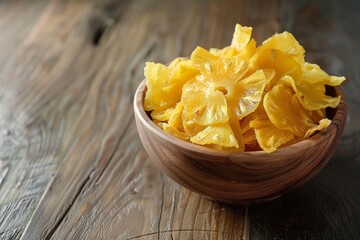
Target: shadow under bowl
[[239, 177]]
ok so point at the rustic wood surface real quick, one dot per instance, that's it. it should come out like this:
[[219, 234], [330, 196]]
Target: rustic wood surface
[[71, 162]]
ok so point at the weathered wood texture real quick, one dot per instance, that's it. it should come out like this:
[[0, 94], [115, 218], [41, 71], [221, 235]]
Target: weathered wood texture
[[71, 162]]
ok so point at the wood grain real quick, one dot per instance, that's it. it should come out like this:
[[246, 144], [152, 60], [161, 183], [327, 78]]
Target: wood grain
[[71, 162]]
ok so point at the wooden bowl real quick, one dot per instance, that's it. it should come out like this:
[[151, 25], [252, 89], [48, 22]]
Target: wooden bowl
[[246, 177]]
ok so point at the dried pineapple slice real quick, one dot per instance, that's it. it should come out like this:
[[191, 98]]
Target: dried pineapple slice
[[241, 97], [276, 61], [203, 103], [175, 120], [242, 45], [201, 56], [220, 134], [226, 76], [174, 131], [165, 83], [241, 37], [190, 127], [313, 74], [182, 72], [246, 95], [286, 43], [323, 124], [268, 136], [226, 52], [156, 76], [236, 128], [286, 112], [311, 96], [162, 115]]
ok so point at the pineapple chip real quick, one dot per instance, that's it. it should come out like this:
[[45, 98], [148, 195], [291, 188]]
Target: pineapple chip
[[241, 97]]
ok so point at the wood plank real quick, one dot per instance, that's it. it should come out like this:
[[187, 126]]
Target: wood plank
[[24, 152], [35, 101], [66, 112], [105, 181], [13, 30]]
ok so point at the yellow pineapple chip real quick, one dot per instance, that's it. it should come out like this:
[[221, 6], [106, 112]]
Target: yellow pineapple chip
[[286, 43], [286, 112], [241, 97], [311, 96], [269, 74], [313, 74], [174, 62], [274, 60], [268, 136], [201, 56], [190, 127], [175, 120], [244, 123], [226, 52], [203, 103], [317, 115], [224, 76], [229, 52], [335, 81], [181, 72], [165, 83], [156, 77], [162, 115], [323, 124], [246, 95], [241, 37], [174, 131], [247, 52], [220, 134], [224, 70], [236, 128], [242, 45]]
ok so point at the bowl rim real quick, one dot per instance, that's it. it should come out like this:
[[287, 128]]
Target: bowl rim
[[220, 154]]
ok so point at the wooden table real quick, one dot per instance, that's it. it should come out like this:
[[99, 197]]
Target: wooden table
[[71, 163]]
